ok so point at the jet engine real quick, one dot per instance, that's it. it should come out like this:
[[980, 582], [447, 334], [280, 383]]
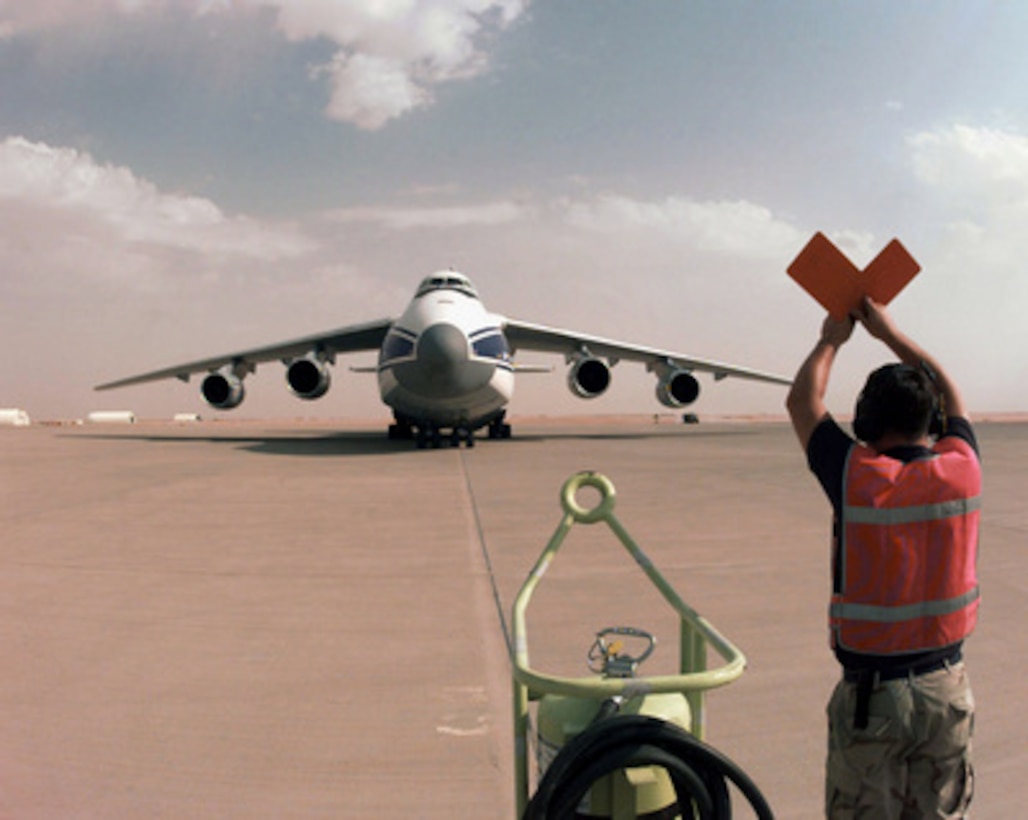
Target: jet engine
[[309, 377], [677, 388], [588, 377], [223, 390]]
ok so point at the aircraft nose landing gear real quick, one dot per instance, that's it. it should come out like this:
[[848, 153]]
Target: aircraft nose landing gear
[[428, 436], [431, 436]]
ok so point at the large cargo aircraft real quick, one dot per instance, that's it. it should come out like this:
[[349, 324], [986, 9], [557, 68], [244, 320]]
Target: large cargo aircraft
[[446, 365]]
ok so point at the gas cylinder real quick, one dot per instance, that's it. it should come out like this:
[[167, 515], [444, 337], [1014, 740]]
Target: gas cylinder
[[641, 792]]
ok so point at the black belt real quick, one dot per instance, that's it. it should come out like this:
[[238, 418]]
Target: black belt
[[868, 678], [897, 672]]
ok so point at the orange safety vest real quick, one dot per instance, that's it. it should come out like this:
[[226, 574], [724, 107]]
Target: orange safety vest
[[908, 551]]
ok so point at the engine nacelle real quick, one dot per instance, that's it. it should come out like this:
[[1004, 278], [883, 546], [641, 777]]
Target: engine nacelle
[[677, 388], [223, 390], [309, 377], [589, 377]]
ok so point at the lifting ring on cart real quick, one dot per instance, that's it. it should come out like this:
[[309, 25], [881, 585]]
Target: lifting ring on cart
[[569, 497]]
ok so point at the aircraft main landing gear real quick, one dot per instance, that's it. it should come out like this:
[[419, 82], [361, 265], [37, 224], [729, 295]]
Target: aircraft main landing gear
[[402, 430], [498, 428]]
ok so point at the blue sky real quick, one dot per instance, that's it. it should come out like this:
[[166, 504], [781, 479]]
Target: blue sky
[[181, 179]]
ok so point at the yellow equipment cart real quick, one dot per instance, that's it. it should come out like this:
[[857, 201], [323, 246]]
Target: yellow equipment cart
[[615, 744]]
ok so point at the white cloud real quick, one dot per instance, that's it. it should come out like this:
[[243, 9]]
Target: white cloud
[[391, 53], [981, 176], [860, 246], [739, 227], [978, 177], [71, 184], [369, 91], [965, 160], [483, 215]]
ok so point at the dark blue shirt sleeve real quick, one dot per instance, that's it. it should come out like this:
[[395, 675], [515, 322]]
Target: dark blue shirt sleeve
[[961, 428], [827, 450]]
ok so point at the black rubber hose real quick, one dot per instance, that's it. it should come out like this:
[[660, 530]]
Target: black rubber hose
[[698, 771], [685, 779]]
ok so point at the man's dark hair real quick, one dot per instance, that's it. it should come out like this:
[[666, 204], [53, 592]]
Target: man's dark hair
[[896, 398]]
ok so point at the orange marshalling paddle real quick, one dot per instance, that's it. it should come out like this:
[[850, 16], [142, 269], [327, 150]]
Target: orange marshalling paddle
[[825, 273]]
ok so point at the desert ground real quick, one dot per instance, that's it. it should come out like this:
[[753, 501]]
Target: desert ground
[[271, 619]]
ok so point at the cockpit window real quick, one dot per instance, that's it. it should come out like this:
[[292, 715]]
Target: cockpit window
[[448, 280], [396, 346], [490, 345]]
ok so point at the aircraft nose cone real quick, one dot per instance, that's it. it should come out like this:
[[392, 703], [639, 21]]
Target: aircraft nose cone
[[442, 346], [444, 369]]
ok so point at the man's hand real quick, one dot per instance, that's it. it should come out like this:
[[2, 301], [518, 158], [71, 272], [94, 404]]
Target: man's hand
[[836, 332], [881, 325], [876, 320]]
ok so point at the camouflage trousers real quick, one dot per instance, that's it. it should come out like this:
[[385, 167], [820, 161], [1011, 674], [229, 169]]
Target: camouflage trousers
[[913, 760]]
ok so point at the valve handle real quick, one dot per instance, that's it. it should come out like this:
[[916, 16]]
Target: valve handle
[[608, 659]]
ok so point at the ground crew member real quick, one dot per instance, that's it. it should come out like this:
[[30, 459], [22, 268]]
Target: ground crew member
[[904, 585]]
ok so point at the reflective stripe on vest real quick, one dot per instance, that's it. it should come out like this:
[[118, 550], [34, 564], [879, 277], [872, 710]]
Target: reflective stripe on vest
[[895, 614], [907, 551], [908, 515]]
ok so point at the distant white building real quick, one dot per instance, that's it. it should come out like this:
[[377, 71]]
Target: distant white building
[[111, 417], [14, 417]]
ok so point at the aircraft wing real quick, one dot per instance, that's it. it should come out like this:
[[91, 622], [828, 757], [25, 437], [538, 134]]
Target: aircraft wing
[[526, 336], [350, 339]]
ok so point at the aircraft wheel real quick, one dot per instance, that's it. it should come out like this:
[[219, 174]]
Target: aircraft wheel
[[499, 429], [425, 437]]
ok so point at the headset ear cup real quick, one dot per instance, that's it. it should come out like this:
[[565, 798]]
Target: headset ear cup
[[937, 420], [937, 423], [859, 430], [865, 427], [866, 430]]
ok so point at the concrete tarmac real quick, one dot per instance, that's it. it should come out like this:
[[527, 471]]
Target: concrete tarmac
[[234, 620]]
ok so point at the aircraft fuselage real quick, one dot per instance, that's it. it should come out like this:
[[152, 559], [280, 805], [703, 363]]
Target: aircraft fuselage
[[445, 362]]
